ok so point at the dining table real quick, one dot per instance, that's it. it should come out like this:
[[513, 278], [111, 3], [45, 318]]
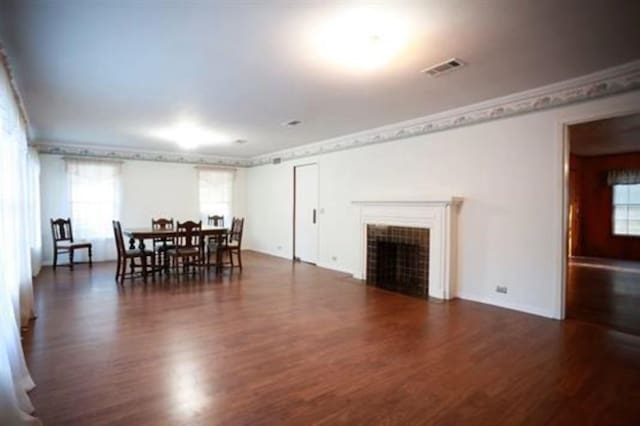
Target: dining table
[[148, 233]]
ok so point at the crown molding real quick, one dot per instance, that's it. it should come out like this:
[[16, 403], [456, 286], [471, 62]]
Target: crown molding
[[608, 82], [55, 148]]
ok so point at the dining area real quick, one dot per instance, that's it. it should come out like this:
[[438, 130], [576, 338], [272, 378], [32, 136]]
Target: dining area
[[167, 248], [175, 249]]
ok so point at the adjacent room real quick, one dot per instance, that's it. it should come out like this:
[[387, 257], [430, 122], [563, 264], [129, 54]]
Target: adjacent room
[[604, 226], [319, 212]]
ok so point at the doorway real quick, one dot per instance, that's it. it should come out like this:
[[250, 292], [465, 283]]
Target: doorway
[[603, 245], [305, 213]]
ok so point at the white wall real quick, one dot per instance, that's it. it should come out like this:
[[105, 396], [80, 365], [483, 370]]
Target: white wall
[[149, 189], [510, 173]]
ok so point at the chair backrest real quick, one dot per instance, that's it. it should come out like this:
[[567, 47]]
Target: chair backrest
[[162, 224], [61, 230], [237, 226], [117, 233], [189, 234], [215, 220]]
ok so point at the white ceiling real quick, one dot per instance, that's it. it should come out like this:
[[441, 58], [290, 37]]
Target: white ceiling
[[112, 72]]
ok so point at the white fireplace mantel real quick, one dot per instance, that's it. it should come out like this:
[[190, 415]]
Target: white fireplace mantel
[[438, 215]]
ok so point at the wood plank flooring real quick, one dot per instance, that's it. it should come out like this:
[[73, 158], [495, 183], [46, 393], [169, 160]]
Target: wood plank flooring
[[296, 344], [605, 292]]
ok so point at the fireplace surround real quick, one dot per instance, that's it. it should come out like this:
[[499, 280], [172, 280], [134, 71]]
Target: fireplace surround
[[438, 215]]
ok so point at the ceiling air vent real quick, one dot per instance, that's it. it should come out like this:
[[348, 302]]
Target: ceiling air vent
[[443, 67]]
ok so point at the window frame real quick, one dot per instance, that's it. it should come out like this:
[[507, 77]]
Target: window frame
[[74, 172], [229, 212], [613, 213]]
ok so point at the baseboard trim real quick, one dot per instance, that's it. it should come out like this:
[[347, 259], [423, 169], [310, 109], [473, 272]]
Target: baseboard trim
[[270, 253], [333, 268], [528, 309]]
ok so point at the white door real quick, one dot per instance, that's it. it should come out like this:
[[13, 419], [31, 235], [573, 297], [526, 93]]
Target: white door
[[306, 213]]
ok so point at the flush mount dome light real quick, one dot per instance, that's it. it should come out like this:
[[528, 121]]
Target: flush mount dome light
[[190, 135], [361, 38]]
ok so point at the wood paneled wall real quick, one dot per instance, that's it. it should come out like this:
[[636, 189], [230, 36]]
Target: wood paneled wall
[[592, 210]]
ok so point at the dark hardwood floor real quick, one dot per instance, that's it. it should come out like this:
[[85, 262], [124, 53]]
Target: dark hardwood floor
[[296, 344], [605, 292]]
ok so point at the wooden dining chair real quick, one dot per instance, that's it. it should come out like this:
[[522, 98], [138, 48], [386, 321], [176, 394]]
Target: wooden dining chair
[[161, 245], [215, 220], [147, 258], [215, 242], [233, 245], [188, 248], [63, 242]]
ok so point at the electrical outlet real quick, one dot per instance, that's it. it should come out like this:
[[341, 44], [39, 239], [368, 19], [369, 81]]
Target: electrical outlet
[[334, 258], [279, 248], [501, 289]]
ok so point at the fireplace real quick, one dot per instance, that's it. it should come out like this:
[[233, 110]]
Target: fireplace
[[398, 259], [436, 218]]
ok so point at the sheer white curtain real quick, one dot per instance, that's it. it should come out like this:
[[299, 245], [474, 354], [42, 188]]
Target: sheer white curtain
[[16, 294], [33, 203], [94, 193], [216, 192]]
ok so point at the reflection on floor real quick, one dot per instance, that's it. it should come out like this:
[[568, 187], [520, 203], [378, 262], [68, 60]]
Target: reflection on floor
[[282, 343], [605, 291]]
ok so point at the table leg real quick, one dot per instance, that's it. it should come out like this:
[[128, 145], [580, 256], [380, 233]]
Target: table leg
[[165, 257], [202, 248], [144, 259]]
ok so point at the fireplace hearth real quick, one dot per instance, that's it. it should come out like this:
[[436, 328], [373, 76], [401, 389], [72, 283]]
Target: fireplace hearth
[[398, 259]]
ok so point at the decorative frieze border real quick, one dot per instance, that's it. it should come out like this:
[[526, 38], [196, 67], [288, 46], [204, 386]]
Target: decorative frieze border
[[612, 81], [120, 154]]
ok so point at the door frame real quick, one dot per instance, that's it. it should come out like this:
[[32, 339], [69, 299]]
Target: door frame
[[293, 251], [563, 135]]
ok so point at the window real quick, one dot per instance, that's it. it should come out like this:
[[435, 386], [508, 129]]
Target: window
[[626, 209], [94, 191], [216, 193]]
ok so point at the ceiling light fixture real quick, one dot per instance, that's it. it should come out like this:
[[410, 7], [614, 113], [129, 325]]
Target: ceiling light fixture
[[188, 134], [361, 38]]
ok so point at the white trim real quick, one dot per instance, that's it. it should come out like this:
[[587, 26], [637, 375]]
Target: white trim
[[611, 81], [109, 152], [335, 268], [562, 135], [433, 202], [501, 304], [607, 82], [269, 253], [438, 215]]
